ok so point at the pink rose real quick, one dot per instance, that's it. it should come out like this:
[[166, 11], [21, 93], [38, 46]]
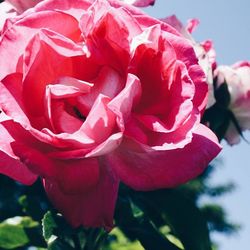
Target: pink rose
[[6, 11], [140, 3], [21, 5], [95, 94], [204, 51], [237, 78], [10, 8]]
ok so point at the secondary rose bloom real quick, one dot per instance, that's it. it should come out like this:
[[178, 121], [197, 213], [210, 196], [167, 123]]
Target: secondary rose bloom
[[204, 51], [97, 93], [237, 78]]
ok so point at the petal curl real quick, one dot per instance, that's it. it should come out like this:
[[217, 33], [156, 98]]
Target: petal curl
[[21, 32], [165, 169], [46, 52], [10, 164], [11, 98], [22, 5], [140, 3], [6, 11]]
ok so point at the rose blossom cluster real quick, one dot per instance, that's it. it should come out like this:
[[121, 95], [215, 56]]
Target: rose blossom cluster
[[94, 93]]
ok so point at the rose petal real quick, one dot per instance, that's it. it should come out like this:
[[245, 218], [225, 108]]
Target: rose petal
[[100, 118], [140, 3], [11, 99], [23, 30], [148, 171], [77, 176], [91, 209], [15, 169], [10, 164], [124, 102], [22, 5], [6, 11], [192, 24], [108, 83], [67, 86], [34, 159], [107, 34], [44, 51]]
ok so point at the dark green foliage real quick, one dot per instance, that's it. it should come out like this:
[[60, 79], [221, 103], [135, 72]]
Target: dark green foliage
[[219, 116], [139, 226], [217, 220], [12, 236], [163, 219]]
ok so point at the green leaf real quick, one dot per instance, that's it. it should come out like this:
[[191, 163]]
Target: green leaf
[[31, 206], [222, 95], [49, 225], [217, 219], [117, 240], [58, 244], [181, 214], [12, 236], [26, 228], [218, 119], [140, 227]]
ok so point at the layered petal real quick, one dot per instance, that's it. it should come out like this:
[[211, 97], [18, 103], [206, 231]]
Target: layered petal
[[6, 11], [10, 163], [22, 5], [94, 92], [21, 32], [152, 170], [140, 3], [107, 34]]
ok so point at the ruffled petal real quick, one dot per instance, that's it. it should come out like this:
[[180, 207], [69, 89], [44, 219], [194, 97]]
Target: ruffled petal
[[11, 98], [10, 163], [23, 29], [140, 3], [107, 34], [6, 11], [16, 170], [22, 5], [164, 169], [108, 83], [43, 52], [125, 101]]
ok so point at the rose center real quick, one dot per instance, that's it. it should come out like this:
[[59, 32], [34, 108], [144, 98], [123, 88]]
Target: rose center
[[79, 114]]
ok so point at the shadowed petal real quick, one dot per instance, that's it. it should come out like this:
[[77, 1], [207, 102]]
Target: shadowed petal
[[152, 170], [94, 208]]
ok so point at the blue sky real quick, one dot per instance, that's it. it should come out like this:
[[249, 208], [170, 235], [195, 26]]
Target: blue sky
[[227, 23]]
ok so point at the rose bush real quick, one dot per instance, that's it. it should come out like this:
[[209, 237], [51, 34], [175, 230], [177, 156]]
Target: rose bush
[[97, 93], [237, 78]]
